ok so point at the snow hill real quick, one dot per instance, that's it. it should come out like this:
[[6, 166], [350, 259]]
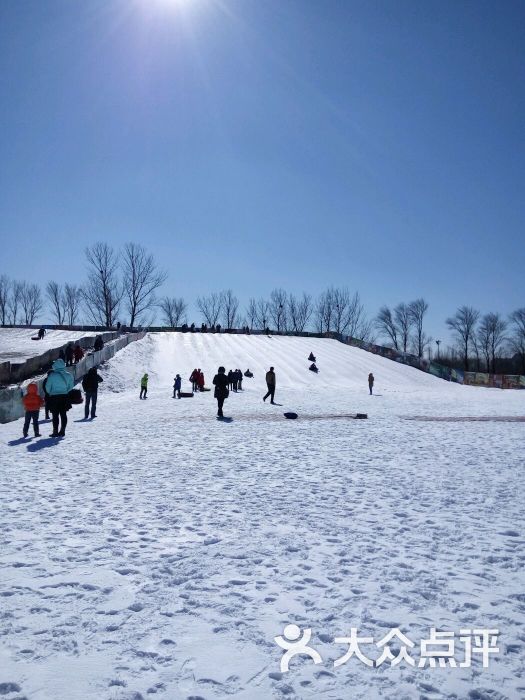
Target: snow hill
[[341, 366]]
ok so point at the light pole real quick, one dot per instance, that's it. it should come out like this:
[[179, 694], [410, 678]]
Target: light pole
[[438, 343]]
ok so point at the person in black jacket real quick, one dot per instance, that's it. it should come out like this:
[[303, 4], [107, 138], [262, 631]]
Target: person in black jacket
[[99, 343], [90, 385], [220, 381], [46, 395], [70, 353]]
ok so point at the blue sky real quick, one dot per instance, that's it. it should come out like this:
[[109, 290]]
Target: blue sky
[[255, 144]]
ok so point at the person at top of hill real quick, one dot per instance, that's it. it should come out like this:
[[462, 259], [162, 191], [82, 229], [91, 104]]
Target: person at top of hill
[[58, 385], [33, 402], [311, 357], [41, 333], [220, 381], [90, 385], [194, 376], [371, 382], [144, 386], [177, 385], [270, 383], [313, 368]]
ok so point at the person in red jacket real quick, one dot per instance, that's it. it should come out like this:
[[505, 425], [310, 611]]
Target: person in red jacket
[[200, 380], [78, 353], [33, 402], [193, 379]]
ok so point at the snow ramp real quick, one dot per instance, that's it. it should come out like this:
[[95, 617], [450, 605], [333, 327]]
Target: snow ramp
[[341, 367]]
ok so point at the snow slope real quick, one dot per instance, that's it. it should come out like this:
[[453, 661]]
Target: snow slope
[[156, 552], [16, 344]]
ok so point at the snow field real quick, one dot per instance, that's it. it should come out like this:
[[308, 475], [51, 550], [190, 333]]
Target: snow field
[[156, 552]]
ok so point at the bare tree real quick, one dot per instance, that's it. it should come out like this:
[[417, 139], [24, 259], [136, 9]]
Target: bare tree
[[517, 338], [229, 307], [299, 312], [386, 325], [72, 302], [14, 302], [141, 278], [5, 288], [173, 311], [31, 300], [251, 314], [278, 309], [324, 312], [210, 307], [55, 295], [463, 326], [263, 313], [491, 335], [403, 324], [357, 324], [417, 310], [103, 292]]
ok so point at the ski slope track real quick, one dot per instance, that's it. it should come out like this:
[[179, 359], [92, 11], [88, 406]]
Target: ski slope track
[[156, 552]]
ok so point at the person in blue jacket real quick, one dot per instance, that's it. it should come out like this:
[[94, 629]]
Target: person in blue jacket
[[177, 386], [58, 385]]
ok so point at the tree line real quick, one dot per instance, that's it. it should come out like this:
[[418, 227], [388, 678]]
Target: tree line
[[125, 284]]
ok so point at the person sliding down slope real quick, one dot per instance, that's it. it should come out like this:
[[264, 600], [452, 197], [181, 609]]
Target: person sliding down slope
[[313, 368]]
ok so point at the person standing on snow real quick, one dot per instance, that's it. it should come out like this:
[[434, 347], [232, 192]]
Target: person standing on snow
[[70, 353], [78, 353], [41, 334], [270, 383], [230, 380], [90, 385], [200, 379], [58, 385], [221, 382], [144, 387], [177, 386], [371, 382], [239, 379], [193, 380], [33, 402], [46, 395]]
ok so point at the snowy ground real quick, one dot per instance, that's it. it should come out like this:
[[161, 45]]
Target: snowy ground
[[16, 344], [156, 552]]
